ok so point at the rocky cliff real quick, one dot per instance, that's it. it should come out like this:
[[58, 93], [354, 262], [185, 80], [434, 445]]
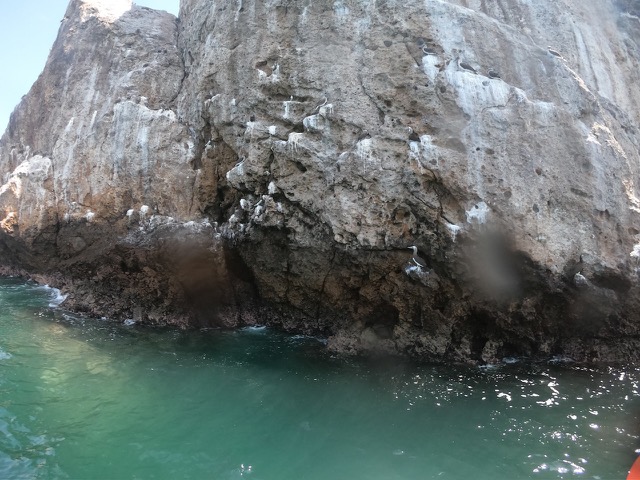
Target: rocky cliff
[[271, 161]]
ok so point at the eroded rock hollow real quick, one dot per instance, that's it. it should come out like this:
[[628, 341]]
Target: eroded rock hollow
[[271, 162]]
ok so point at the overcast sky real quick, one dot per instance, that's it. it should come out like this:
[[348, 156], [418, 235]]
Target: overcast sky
[[27, 31]]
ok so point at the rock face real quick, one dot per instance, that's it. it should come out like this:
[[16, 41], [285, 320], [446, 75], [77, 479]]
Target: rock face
[[272, 161], [101, 192]]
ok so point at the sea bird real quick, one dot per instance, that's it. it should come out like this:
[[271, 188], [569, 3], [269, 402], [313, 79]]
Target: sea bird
[[554, 52], [417, 259], [466, 66], [428, 51]]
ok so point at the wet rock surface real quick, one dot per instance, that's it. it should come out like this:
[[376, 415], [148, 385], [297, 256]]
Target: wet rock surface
[[271, 162]]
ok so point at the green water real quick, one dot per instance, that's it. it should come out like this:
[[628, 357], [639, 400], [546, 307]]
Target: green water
[[84, 399]]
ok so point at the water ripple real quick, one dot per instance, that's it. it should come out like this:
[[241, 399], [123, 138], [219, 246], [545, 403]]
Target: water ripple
[[83, 398]]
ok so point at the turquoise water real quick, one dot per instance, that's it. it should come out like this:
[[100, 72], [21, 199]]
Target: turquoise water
[[84, 399]]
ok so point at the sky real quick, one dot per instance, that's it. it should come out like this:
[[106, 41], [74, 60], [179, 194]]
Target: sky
[[28, 29]]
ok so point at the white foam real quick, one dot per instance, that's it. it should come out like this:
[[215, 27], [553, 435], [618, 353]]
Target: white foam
[[4, 355], [504, 395], [561, 359], [488, 366], [56, 297], [510, 360], [255, 329]]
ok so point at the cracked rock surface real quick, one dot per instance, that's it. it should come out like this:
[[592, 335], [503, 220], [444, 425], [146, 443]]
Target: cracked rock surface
[[272, 161]]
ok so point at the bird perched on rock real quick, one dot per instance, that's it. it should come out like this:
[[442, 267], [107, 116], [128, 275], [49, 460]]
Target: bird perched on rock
[[417, 260], [428, 51], [466, 66], [554, 52]]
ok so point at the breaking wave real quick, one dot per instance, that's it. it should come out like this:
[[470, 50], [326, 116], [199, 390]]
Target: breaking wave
[[55, 296]]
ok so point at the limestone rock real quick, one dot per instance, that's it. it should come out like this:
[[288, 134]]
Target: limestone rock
[[99, 181], [318, 140]]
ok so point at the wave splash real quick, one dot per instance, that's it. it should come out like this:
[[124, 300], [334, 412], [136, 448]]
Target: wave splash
[[55, 296]]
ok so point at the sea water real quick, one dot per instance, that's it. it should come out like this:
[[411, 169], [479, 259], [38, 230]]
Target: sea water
[[87, 399]]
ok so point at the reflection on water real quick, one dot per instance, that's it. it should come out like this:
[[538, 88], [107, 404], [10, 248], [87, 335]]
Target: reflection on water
[[83, 398]]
